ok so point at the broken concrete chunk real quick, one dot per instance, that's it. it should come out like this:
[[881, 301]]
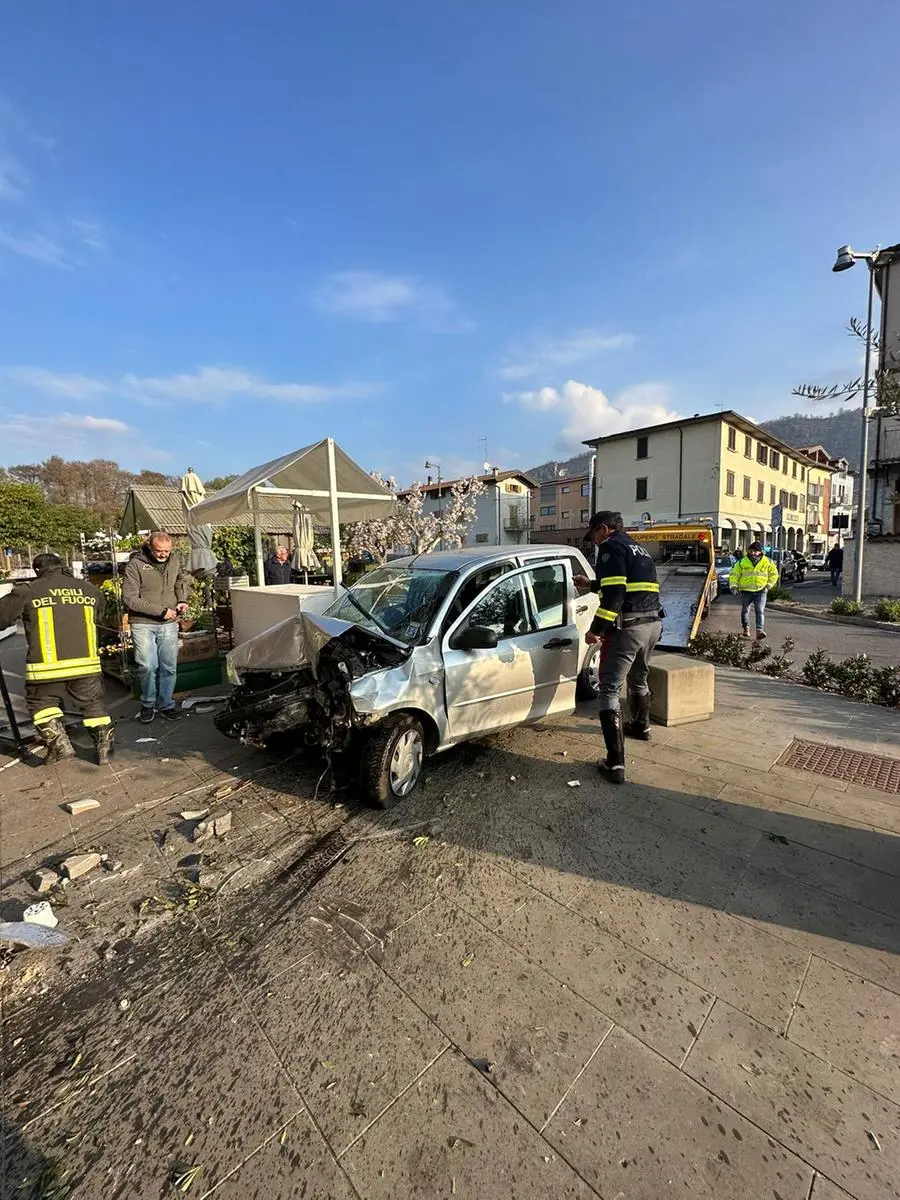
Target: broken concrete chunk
[[34, 937], [80, 806], [200, 831], [43, 880], [113, 866], [79, 864], [194, 814], [40, 914], [222, 825]]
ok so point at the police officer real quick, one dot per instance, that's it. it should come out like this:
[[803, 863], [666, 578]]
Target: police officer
[[60, 616], [627, 623]]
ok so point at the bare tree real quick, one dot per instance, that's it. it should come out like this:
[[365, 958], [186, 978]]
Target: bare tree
[[884, 388]]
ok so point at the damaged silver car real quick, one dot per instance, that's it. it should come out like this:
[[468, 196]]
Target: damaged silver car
[[418, 656]]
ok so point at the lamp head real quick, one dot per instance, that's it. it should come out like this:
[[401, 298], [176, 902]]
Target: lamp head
[[844, 260]]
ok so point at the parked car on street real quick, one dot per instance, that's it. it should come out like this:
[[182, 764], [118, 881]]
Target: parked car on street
[[817, 561], [420, 655], [785, 562], [724, 564]]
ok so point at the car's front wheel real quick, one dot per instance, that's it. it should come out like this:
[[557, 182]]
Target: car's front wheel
[[587, 686], [392, 760]]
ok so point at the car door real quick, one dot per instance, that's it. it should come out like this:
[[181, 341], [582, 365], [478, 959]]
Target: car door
[[532, 671]]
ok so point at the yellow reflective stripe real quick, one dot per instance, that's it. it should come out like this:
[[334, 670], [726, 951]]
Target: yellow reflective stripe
[[66, 669], [47, 635], [43, 715], [641, 587], [613, 580], [90, 628], [605, 615], [93, 722]]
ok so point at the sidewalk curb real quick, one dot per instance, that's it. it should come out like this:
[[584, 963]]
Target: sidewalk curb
[[800, 610]]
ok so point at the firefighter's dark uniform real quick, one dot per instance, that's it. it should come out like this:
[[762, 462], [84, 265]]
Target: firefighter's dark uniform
[[60, 616], [628, 620]]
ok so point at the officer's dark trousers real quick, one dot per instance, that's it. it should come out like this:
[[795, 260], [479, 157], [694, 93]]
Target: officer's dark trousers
[[46, 701], [626, 655]]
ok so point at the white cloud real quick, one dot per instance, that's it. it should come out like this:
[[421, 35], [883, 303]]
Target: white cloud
[[377, 297], [564, 350], [206, 385], [12, 180], [98, 424], [587, 411], [21, 428], [35, 246], [89, 233]]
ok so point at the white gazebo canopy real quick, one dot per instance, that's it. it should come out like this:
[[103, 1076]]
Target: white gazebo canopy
[[331, 486]]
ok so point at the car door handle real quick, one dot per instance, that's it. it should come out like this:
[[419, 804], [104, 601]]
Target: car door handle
[[557, 643], [582, 608]]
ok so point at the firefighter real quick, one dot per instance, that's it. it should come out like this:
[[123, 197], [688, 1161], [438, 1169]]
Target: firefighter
[[60, 616], [628, 624]]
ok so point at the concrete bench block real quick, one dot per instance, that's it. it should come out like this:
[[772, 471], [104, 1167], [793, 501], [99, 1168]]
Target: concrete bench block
[[684, 689]]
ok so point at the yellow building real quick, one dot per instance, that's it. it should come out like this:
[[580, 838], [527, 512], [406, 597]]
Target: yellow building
[[721, 468]]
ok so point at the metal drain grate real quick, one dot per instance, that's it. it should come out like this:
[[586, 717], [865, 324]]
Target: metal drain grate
[[867, 770]]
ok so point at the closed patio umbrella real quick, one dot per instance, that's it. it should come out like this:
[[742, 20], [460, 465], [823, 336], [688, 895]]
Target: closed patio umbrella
[[200, 536], [305, 558]]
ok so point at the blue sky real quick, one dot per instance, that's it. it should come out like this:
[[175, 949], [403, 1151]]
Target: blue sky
[[229, 229]]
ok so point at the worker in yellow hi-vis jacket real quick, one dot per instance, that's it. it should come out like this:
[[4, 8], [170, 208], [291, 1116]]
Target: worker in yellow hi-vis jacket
[[628, 623], [60, 616]]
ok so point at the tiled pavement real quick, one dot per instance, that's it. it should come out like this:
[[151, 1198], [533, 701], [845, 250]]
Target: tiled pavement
[[687, 986]]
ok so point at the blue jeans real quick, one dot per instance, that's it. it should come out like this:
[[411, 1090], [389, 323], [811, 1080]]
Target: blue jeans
[[757, 601], [156, 654]]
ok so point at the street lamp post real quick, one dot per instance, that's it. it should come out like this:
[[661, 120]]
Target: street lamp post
[[433, 466], [846, 258]]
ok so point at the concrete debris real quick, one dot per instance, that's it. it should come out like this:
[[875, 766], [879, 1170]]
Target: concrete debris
[[40, 914], [79, 864], [574, 783], [194, 814], [222, 825], [76, 807], [112, 866], [43, 880], [138, 741], [32, 937]]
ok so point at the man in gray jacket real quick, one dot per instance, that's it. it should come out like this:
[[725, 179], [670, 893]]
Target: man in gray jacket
[[155, 591]]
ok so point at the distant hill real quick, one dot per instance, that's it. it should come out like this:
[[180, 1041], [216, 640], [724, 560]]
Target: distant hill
[[579, 465], [838, 433]]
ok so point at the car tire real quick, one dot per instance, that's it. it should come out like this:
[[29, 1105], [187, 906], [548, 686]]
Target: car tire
[[392, 760], [587, 684]]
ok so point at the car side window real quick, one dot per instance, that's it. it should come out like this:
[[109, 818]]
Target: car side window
[[472, 588], [505, 609], [549, 595]]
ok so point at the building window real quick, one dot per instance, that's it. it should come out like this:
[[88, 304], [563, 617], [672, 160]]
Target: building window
[[729, 483], [794, 501], [783, 499], [481, 539], [565, 490], [585, 515], [794, 470], [762, 453], [747, 484], [775, 460], [642, 447], [803, 504], [803, 474], [748, 446], [548, 510], [565, 516], [585, 489], [548, 528], [784, 465], [760, 493], [516, 488], [772, 496], [732, 438], [640, 489]]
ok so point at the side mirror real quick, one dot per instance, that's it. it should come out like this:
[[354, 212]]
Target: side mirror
[[475, 637]]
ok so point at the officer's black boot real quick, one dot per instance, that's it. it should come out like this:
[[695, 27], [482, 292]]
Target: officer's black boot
[[53, 735], [103, 737], [639, 725], [613, 766]]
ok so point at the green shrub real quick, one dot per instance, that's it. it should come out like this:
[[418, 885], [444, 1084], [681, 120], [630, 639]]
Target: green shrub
[[779, 592], [887, 610], [886, 686], [818, 670], [854, 677], [846, 608]]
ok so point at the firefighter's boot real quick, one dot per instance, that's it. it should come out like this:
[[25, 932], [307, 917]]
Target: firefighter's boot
[[103, 737], [639, 725], [53, 735], [612, 767]]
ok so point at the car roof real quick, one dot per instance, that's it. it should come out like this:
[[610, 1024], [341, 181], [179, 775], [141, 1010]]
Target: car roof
[[459, 560]]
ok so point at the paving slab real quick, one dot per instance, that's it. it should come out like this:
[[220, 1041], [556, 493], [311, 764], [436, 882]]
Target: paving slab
[[669, 811], [494, 1005], [782, 782], [347, 1036], [868, 810], [824, 1189], [808, 1105], [468, 1142], [751, 968], [635, 1126], [851, 1023], [857, 938], [659, 1007]]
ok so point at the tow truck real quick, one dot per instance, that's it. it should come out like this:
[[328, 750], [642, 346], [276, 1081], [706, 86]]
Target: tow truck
[[686, 570]]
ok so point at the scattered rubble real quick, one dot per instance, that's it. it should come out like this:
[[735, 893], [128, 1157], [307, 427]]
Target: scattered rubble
[[32, 937], [76, 807], [40, 914], [43, 880], [213, 827], [574, 783], [79, 864], [194, 814]]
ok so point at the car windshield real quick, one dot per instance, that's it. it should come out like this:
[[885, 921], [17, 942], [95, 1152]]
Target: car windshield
[[724, 560], [400, 601]]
